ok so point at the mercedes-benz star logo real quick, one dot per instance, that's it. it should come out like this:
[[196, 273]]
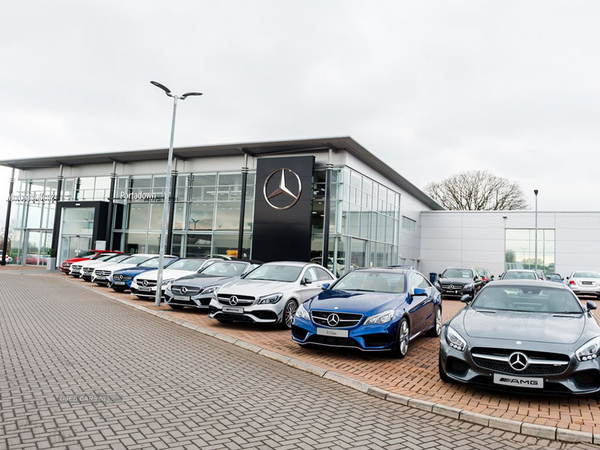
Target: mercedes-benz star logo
[[145, 283], [233, 300], [282, 190], [518, 361], [183, 289], [121, 277], [333, 320]]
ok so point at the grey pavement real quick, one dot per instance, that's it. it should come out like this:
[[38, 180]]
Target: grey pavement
[[79, 370]]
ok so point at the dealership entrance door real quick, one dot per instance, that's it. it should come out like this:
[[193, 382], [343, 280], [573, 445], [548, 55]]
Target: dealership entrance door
[[76, 229]]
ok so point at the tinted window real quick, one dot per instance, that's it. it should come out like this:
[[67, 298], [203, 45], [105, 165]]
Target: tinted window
[[225, 269], [192, 265], [322, 274], [372, 282], [457, 273], [586, 275], [527, 299], [518, 276]]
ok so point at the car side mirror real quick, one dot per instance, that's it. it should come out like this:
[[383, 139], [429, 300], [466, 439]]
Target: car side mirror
[[325, 286], [590, 305], [492, 277], [417, 292], [566, 278], [439, 275], [306, 281], [465, 298]]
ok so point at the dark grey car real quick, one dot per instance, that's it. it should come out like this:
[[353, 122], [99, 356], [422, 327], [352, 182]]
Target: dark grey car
[[196, 290], [456, 282], [524, 335]]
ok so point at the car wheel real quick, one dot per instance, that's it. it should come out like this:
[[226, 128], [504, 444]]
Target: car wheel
[[443, 376], [403, 340], [437, 324], [176, 306], [288, 314]]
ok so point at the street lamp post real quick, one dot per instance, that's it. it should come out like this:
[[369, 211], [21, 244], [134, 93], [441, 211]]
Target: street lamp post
[[161, 258], [535, 191]]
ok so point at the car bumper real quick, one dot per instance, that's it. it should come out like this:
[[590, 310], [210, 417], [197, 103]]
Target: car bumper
[[366, 338], [100, 280], [447, 292], [200, 301], [586, 290], [579, 377], [266, 313], [126, 284], [145, 292]]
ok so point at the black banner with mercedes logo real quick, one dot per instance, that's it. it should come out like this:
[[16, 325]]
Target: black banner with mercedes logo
[[283, 209]]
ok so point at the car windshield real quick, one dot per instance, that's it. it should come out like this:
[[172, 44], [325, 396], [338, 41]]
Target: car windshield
[[586, 275], [86, 254], [554, 277], [135, 259], [153, 263], [192, 265], [369, 281], [457, 273], [527, 299], [105, 257], [518, 275], [275, 272], [119, 258], [225, 269]]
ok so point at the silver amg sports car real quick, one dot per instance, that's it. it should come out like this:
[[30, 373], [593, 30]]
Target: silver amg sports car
[[524, 335]]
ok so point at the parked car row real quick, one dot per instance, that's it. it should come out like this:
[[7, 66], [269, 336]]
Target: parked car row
[[519, 333]]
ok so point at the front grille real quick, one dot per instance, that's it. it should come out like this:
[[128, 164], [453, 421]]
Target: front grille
[[88, 270], [121, 277], [299, 333], [189, 290], [102, 273], [146, 283], [75, 268], [540, 363], [331, 340], [453, 286], [346, 320], [242, 300]]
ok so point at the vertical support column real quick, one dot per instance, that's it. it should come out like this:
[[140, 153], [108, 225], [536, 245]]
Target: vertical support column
[[111, 207], [172, 208], [327, 212], [7, 225], [56, 227], [240, 249]]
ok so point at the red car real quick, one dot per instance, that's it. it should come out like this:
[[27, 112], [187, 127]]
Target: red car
[[65, 266]]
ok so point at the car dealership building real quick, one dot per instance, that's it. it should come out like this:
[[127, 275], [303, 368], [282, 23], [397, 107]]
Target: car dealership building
[[290, 200]]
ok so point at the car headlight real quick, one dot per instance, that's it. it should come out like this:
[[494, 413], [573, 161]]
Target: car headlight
[[589, 350], [270, 299], [381, 318], [302, 312], [455, 340], [166, 283], [210, 289], [468, 286]]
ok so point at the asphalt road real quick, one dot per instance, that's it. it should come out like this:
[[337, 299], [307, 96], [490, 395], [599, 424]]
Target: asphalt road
[[81, 371]]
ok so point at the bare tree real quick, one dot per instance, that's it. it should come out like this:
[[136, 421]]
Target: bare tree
[[477, 190]]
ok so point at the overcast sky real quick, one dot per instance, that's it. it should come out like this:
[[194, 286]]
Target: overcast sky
[[432, 88]]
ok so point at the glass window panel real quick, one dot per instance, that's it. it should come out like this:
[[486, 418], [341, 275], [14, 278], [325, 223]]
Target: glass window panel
[[156, 210], [354, 220], [135, 243], [356, 180], [223, 193], [177, 244], [226, 179], [77, 221], [365, 224], [153, 243], [159, 181], [34, 215], [249, 216], [198, 245], [179, 216], [36, 185], [201, 216], [204, 179], [138, 216], [358, 252], [228, 216]]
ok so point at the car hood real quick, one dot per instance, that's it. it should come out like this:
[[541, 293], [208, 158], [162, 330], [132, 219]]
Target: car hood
[[256, 288], [116, 266], [524, 326], [74, 260], [367, 303], [460, 281], [168, 274], [198, 281], [132, 271]]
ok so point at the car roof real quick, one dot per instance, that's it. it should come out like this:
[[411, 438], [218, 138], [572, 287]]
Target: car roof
[[528, 283], [521, 270], [385, 269], [292, 263]]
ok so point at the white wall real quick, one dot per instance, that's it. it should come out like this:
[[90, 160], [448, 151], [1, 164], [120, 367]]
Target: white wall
[[476, 238]]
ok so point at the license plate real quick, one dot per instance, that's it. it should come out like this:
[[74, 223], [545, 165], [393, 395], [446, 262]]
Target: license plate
[[331, 332], [233, 309], [180, 297], [100, 278], [119, 282], [145, 289], [526, 382]]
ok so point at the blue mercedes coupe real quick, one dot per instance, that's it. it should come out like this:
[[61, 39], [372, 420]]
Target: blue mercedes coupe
[[374, 309]]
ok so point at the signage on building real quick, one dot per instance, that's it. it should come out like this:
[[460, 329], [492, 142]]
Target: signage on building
[[32, 197], [283, 209]]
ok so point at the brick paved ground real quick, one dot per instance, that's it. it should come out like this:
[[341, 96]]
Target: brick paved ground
[[165, 386], [415, 376]]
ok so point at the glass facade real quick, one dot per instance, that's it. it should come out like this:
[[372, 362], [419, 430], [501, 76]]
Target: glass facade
[[520, 249], [364, 223]]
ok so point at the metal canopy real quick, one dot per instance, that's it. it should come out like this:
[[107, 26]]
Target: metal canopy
[[256, 149]]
